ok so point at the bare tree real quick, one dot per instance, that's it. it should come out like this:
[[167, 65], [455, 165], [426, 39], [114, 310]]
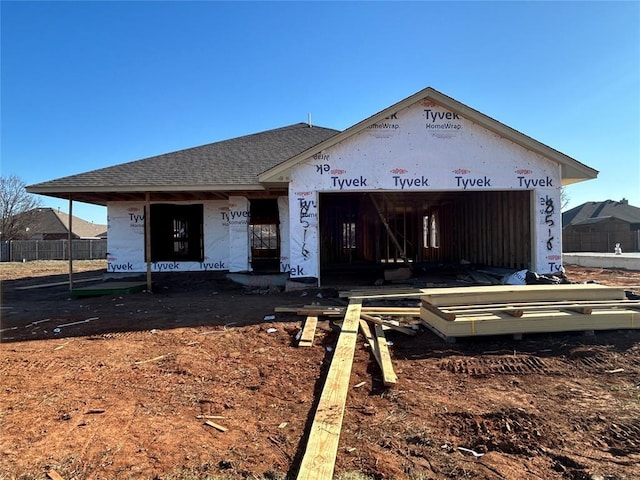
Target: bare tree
[[15, 205]]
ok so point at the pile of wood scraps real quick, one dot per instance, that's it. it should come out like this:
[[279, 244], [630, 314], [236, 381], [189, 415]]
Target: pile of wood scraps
[[519, 309]]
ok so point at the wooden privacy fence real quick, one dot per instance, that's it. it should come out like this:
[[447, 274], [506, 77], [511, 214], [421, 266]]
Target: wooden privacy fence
[[28, 250]]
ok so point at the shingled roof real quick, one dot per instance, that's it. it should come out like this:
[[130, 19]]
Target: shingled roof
[[46, 223], [221, 166], [592, 212]]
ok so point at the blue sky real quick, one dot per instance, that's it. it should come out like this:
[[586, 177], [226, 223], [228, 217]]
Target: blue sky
[[87, 85]]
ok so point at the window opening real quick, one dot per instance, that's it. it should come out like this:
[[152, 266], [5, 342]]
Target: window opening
[[348, 235], [264, 237], [176, 233], [431, 230]]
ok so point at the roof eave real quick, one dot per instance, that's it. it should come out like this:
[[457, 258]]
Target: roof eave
[[70, 190]]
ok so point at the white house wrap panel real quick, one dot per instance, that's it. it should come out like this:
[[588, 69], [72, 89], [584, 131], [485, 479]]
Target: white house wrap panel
[[427, 148], [126, 233]]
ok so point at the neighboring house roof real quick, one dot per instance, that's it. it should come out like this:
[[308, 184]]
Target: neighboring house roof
[[221, 166], [572, 170], [593, 212], [48, 221]]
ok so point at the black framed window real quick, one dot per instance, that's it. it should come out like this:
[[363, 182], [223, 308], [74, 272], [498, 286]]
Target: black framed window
[[177, 232]]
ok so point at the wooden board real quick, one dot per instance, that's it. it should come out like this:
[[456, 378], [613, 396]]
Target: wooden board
[[393, 311], [393, 326], [382, 292], [308, 331], [520, 293], [59, 284], [389, 377], [371, 340], [109, 288], [537, 321], [319, 458], [518, 309]]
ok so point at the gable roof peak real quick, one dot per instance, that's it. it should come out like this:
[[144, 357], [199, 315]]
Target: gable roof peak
[[572, 170]]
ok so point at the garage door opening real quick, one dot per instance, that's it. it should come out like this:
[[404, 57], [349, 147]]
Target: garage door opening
[[377, 231]]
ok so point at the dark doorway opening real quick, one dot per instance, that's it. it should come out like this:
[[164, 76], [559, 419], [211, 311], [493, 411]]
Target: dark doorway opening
[[264, 231]]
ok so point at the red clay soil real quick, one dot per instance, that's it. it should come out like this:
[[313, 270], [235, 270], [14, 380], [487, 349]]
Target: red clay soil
[[124, 392]]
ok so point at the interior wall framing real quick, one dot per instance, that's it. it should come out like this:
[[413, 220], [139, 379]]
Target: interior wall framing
[[486, 227]]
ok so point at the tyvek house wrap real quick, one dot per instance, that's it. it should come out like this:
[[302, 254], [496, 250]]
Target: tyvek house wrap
[[425, 148], [126, 245]]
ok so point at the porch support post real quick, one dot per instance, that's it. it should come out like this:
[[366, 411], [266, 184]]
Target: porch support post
[[147, 237], [70, 242]]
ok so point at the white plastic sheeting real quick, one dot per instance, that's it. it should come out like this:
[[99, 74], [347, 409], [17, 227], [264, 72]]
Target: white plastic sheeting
[[423, 148], [283, 214], [125, 239], [239, 244]]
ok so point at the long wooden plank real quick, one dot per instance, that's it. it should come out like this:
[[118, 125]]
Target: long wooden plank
[[406, 311], [393, 326], [527, 305], [382, 292], [58, 284], [497, 323], [308, 331], [518, 309], [313, 311], [319, 458], [521, 293], [389, 377], [371, 340]]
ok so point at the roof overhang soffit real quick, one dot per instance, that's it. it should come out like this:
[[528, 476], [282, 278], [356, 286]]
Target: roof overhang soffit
[[572, 170]]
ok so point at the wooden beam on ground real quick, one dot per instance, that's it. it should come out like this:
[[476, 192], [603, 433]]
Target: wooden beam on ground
[[521, 293], [389, 377], [382, 293], [308, 331], [371, 340], [393, 326], [58, 284], [320, 454], [315, 311], [395, 311]]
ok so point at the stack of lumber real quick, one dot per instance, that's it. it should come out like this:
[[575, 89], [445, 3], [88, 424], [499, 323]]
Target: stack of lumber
[[518, 309]]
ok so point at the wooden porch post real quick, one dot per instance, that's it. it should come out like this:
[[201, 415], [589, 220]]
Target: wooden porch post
[[147, 237], [70, 243]]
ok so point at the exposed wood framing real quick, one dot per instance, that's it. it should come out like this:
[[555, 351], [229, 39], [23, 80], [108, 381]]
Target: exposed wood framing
[[70, 243]]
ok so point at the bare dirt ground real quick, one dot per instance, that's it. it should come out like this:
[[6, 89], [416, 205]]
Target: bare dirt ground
[[118, 395]]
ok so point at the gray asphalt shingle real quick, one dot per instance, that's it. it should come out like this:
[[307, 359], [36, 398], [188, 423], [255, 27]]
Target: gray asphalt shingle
[[237, 161]]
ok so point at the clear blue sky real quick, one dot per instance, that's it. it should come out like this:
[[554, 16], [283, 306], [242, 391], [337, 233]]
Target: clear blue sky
[[87, 85]]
